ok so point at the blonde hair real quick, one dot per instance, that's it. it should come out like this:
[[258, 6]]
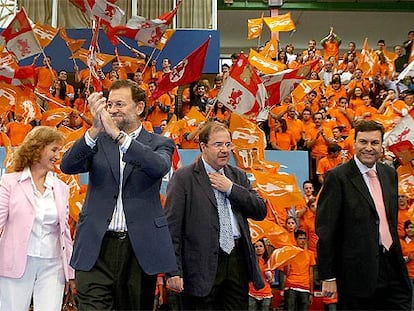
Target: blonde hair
[[29, 152]]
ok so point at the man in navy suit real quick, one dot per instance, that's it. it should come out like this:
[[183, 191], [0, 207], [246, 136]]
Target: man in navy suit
[[359, 253], [213, 271], [122, 239]]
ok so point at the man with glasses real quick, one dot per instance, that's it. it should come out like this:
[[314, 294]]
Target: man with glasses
[[208, 203], [122, 239]]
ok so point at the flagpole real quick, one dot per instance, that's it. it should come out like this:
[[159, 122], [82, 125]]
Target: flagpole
[[149, 59], [49, 99]]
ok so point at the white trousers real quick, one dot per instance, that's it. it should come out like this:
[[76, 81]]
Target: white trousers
[[43, 279]]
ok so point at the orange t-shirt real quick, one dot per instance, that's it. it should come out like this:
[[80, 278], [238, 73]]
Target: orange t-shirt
[[407, 247], [17, 132], [325, 164], [295, 127], [403, 216], [299, 272], [320, 147], [157, 115], [342, 120], [285, 141], [309, 227], [334, 95], [266, 291], [44, 77], [364, 109]]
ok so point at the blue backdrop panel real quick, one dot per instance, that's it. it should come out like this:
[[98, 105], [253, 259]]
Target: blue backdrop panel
[[181, 44]]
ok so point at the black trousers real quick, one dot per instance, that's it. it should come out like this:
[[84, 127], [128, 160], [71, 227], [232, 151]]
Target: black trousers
[[392, 292], [231, 287], [116, 282]]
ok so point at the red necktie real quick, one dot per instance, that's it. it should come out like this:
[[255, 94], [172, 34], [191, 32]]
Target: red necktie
[[376, 191]]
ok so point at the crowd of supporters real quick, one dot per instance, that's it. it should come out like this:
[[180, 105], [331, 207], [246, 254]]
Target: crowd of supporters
[[321, 122]]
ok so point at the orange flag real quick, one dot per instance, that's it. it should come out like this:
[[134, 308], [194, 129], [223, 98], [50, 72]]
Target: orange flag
[[281, 189], [270, 49], [164, 39], [194, 116], [277, 235], [72, 44], [26, 105], [406, 179], [254, 28], [130, 64], [248, 141], [45, 33], [264, 64], [101, 59], [54, 116], [8, 98], [367, 61], [281, 256], [280, 23], [304, 88]]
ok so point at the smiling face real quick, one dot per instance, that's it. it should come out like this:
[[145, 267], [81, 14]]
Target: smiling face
[[49, 155], [123, 110], [368, 147]]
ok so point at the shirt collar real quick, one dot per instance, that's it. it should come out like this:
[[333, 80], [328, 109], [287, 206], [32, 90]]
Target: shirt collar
[[362, 167], [407, 239], [136, 133], [27, 174], [210, 169]]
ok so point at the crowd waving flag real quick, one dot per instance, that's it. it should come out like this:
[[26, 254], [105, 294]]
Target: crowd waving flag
[[186, 71], [243, 91], [20, 39]]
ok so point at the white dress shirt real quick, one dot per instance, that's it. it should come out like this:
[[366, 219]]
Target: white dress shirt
[[44, 238]]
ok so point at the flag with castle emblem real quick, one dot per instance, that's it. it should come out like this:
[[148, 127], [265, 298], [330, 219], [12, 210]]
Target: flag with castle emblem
[[20, 38], [243, 91]]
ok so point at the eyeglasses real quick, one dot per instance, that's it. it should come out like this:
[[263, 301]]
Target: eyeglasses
[[220, 145], [117, 105]]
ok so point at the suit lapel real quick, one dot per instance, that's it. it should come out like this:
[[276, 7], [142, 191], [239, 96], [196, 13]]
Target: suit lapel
[[355, 177], [111, 151], [145, 138], [202, 179], [27, 188]]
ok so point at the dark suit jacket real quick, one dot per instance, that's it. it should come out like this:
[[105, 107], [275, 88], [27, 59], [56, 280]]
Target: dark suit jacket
[[347, 225], [148, 159], [191, 209]]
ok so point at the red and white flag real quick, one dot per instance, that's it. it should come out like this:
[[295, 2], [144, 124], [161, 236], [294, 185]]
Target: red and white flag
[[147, 32], [281, 84], [20, 38], [400, 140], [106, 10], [243, 91], [12, 74], [186, 71]]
